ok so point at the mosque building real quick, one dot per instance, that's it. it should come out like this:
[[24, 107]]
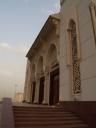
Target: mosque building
[[61, 64]]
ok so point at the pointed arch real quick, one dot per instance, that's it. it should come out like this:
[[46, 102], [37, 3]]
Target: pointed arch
[[51, 58]]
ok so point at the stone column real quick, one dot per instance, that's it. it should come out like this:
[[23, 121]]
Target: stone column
[[36, 99], [31, 91], [47, 86], [28, 84], [28, 90], [31, 87], [24, 95], [26, 81], [26, 98], [28, 93], [25, 87]]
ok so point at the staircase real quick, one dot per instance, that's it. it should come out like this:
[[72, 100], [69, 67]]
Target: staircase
[[45, 117]]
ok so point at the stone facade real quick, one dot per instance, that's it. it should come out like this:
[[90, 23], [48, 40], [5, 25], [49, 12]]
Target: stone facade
[[42, 60], [67, 42]]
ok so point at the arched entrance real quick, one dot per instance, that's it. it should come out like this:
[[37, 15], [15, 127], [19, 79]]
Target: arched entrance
[[76, 78], [42, 79], [54, 75]]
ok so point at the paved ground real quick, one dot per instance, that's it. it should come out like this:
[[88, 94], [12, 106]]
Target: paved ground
[[0, 114]]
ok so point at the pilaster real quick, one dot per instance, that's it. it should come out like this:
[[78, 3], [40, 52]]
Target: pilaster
[[36, 99], [47, 86]]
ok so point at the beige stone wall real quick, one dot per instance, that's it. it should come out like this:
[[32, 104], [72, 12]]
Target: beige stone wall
[[78, 10]]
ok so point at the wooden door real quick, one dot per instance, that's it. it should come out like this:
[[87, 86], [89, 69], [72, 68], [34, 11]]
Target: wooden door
[[54, 87]]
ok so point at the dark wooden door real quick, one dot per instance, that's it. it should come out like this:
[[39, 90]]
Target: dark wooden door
[[33, 91], [54, 87], [41, 90]]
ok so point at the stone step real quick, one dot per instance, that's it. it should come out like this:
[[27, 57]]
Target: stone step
[[47, 120], [42, 112], [31, 117], [38, 109], [66, 126], [51, 122], [44, 124], [42, 115], [44, 119]]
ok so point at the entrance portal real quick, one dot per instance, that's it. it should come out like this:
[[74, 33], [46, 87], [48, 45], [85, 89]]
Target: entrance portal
[[54, 87], [41, 90]]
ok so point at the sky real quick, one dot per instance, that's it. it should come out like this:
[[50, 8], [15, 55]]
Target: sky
[[20, 23]]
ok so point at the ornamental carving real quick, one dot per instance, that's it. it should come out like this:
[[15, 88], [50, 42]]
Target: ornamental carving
[[75, 62]]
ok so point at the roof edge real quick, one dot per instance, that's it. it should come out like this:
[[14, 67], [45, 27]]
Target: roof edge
[[53, 16]]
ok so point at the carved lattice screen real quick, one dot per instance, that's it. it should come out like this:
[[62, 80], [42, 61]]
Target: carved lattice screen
[[75, 62]]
